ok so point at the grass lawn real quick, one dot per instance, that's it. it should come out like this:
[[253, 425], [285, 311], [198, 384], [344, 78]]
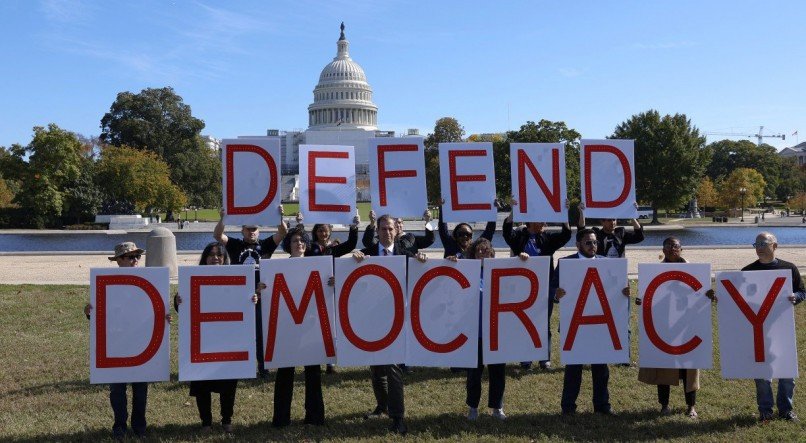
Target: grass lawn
[[46, 395]]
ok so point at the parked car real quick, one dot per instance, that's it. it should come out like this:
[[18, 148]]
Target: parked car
[[645, 212]]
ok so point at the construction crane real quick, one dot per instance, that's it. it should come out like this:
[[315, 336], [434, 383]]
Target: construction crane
[[760, 136]]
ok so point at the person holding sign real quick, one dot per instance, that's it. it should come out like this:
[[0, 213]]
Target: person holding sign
[[249, 251], [297, 242], [127, 255], [613, 240], [322, 244], [482, 249], [213, 254], [665, 377], [408, 240], [586, 250], [387, 380], [765, 245], [457, 242], [534, 240]]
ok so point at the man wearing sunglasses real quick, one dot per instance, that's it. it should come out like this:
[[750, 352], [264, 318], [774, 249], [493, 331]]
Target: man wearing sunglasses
[[249, 251], [612, 239], [586, 250], [127, 255], [765, 246]]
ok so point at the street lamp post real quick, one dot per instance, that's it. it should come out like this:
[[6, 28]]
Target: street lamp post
[[742, 191]]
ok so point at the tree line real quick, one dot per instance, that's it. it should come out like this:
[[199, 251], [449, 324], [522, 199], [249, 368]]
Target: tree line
[[150, 157]]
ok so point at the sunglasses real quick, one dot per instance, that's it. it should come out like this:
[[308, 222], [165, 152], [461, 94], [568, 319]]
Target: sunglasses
[[591, 243], [762, 244], [673, 247], [464, 234], [131, 257]]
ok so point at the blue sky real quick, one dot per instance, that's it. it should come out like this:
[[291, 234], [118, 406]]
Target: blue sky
[[247, 66]]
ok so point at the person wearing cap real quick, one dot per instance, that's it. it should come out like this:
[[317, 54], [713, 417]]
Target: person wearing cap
[[127, 255], [249, 251]]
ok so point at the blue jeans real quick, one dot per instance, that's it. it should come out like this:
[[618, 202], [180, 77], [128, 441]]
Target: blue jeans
[[117, 398], [573, 380], [786, 392]]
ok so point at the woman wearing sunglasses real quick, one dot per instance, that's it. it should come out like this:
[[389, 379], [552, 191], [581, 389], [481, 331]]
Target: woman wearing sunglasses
[[456, 243]]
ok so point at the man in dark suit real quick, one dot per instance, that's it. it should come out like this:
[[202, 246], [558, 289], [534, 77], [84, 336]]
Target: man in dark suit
[[387, 380], [586, 250], [408, 240]]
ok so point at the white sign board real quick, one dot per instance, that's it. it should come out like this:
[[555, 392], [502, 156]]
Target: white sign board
[[298, 312], [397, 175], [467, 177], [594, 314], [443, 313], [370, 310], [608, 178], [538, 182], [327, 183], [129, 334], [756, 324], [675, 316], [514, 313], [216, 322], [251, 181]]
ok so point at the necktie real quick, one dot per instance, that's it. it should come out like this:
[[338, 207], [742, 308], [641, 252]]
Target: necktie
[[385, 252]]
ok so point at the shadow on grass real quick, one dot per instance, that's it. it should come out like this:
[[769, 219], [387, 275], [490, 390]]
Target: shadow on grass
[[638, 426]]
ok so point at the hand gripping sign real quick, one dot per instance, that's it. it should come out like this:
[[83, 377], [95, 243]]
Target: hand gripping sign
[[251, 180], [756, 324], [397, 174], [327, 183], [608, 178], [514, 312], [443, 326], [129, 333], [467, 177], [538, 182], [370, 310], [216, 322], [298, 312], [594, 314], [675, 316]]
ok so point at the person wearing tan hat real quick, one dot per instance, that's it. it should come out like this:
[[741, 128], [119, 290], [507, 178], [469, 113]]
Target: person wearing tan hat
[[127, 255], [249, 251]]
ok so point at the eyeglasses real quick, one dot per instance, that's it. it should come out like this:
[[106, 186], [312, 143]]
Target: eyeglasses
[[464, 234], [674, 247], [591, 243], [762, 244], [131, 257]]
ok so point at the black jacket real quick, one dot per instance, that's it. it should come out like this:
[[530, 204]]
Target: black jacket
[[409, 241], [449, 243]]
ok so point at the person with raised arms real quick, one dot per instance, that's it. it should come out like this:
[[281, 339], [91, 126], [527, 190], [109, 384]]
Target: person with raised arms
[[586, 250], [456, 243], [387, 380], [535, 240], [408, 240], [249, 251], [612, 239]]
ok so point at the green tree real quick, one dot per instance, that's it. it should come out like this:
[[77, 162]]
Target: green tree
[[742, 178], [158, 120], [139, 178], [728, 155], [46, 168], [669, 158], [544, 131], [446, 130], [791, 180]]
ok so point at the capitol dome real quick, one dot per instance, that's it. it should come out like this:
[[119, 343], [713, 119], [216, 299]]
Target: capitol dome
[[342, 98]]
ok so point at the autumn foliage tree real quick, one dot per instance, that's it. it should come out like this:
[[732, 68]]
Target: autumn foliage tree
[[446, 130], [742, 178]]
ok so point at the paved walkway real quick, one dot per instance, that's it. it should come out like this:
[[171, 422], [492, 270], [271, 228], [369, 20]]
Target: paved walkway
[[59, 268]]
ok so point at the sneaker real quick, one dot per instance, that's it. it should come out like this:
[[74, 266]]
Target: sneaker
[[691, 412], [764, 417], [499, 414], [789, 416], [472, 413], [665, 410], [206, 430], [378, 412], [545, 365], [398, 426]]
